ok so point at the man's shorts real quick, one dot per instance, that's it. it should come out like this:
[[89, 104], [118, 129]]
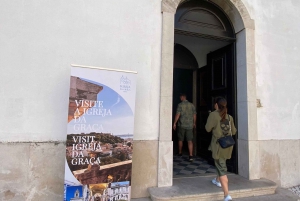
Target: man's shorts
[[221, 167], [182, 132]]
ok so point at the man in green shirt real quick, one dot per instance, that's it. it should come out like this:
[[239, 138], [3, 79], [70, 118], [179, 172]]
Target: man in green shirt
[[186, 119]]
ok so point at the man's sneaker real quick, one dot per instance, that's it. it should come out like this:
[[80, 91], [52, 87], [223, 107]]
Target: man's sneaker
[[227, 198], [215, 182], [191, 158]]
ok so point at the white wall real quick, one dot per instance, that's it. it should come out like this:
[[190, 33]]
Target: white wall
[[277, 45], [40, 39]]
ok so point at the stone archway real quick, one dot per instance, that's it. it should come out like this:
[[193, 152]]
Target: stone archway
[[248, 150]]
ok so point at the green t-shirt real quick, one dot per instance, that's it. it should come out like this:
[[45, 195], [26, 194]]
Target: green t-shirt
[[186, 111]]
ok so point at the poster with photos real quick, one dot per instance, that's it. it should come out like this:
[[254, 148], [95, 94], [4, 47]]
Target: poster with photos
[[99, 144]]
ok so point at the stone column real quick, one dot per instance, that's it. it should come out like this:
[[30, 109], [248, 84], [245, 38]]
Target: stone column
[[248, 144], [165, 153]]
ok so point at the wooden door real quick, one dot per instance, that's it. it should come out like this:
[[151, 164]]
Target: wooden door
[[215, 79]]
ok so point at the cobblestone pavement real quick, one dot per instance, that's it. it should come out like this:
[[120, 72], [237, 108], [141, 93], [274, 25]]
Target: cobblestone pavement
[[296, 190]]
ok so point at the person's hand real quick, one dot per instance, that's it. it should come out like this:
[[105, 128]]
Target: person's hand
[[174, 127]]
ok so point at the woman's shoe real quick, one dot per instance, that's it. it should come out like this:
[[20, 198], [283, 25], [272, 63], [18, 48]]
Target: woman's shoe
[[215, 182], [227, 198]]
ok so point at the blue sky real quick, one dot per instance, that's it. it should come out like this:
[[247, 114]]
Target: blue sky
[[119, 183], [120, 122]]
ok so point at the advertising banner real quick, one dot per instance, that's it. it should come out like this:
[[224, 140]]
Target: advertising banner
[[99, 143]]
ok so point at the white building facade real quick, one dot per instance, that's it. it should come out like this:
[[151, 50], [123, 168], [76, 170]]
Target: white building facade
[[39, 40]]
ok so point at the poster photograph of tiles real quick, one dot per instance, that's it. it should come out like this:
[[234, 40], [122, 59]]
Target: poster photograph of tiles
[[99, 143]]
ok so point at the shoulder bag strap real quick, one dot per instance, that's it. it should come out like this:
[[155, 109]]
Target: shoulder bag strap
[[229, 125]]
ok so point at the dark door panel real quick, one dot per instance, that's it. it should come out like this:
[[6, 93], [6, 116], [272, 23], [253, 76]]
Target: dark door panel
[[215, 79]]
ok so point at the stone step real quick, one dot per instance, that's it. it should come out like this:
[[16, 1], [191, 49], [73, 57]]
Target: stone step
[[201, 189], [280, 195]]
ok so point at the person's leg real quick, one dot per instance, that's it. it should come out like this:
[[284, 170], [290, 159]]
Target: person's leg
[[189, 138], [180, 143], [223, 177], [216, 180], [224, 183], [180, 133], [190, 145]]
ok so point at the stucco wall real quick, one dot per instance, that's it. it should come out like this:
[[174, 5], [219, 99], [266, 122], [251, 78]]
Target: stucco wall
[[38, 42], [40, 39], [277, 66], [280, 161], [277, 71], [32, 171]]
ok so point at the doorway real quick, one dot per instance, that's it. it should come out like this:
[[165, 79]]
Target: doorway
[[208, 37], [185, 66]]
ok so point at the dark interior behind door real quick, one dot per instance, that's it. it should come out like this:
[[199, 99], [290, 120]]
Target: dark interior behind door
[[182, 83]]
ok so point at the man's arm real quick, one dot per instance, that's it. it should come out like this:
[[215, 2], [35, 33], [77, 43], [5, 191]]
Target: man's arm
[[194, 116], [175, 120]]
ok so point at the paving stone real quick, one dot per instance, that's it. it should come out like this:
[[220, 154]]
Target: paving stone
[[295, 190], [183, 167]]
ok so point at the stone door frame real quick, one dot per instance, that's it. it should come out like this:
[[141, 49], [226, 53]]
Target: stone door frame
[[248, 147]]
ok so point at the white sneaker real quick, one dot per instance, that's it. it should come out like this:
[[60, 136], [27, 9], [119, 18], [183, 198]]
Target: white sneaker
[[227, 198], [215, 182]]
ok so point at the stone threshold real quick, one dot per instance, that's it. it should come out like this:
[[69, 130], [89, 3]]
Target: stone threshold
[[201, 189]]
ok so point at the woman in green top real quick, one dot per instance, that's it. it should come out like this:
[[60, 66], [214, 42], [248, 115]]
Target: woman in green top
[[220, 123]]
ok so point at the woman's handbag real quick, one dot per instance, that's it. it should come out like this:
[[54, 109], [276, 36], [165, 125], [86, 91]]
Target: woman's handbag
[[227, 141]]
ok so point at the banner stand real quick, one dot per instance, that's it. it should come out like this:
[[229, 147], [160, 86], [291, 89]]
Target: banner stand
[[99, 143]]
